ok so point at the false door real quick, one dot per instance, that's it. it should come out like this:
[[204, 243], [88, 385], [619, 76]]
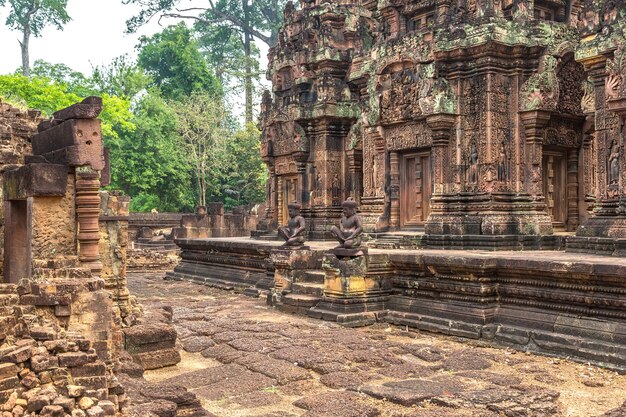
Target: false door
[[415, 189], [289, 195], [555, 186]]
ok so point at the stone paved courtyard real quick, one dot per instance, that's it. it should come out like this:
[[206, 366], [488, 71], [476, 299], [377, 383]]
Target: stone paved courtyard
[[242, 359]]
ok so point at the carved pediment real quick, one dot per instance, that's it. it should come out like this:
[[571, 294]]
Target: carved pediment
[[284, 138]]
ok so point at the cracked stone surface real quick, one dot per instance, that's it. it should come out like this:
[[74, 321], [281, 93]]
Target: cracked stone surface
[[242, 358]]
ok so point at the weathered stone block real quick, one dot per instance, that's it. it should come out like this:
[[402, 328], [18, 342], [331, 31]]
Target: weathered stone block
[[36, 180], [92, 382], [73, 359], [89, 108], [42, 363], [9, 383], [18, 355], [89, 369], [63, 135], [108, 407], [147, 337], [42, 333], [75, 391], [68, 404], [8, 370], [158, 359], [38, 402], [52, 411]]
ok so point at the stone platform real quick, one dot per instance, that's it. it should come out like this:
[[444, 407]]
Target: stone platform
[[556, 303], [231, 264]]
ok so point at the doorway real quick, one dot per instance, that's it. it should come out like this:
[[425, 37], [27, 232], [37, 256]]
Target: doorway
[[17, 240], [415, 189]]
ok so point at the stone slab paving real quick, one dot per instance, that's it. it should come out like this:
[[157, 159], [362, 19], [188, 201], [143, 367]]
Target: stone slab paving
[[242, 358]]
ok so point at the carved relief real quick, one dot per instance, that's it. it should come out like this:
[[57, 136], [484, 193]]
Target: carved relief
[[616, 74], [409, 136], [588, 101], [399, 96], [541, 90], [284, 138], [570, 76]]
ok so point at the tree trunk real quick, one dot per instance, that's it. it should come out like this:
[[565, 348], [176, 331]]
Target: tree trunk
[[247, 47], [24, 45]]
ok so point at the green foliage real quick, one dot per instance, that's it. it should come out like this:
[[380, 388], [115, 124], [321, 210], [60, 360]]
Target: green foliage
[[149, 163], [172, 59], [261, 18], [74, 81], [122, 77], [48, 96], [36, 14], [246, 174], [37, 93], [202, 128]]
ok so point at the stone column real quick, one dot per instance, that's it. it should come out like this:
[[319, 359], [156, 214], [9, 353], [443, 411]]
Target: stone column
[[303, 186], [270, 211], [441, 127], [88, 213], [394, 190], [588, 167], [355, 171], [534, 123], [572, 190]]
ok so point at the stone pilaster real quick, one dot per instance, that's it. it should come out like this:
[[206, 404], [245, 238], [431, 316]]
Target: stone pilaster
[[88, 213]]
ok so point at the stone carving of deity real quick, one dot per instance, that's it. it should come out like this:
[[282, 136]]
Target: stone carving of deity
[[473, 164], [613, 170], [502, 164]]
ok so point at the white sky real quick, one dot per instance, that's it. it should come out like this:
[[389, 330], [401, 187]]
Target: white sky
[[94, 36]]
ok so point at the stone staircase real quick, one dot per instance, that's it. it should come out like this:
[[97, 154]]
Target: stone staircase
[[62, 268], [9, 300], [396, 240], [305, 293]]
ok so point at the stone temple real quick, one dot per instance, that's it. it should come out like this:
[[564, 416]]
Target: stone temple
[[484, 143], [469, 156]]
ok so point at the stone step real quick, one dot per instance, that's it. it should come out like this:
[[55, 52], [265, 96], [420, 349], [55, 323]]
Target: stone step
[[9, 300], [308, 288], [66, 272], [300, 300], [313, 276], [8, 289], [59, 263]]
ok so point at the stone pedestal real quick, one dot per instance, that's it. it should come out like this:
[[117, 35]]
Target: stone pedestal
[[290, 267], [352, 295]]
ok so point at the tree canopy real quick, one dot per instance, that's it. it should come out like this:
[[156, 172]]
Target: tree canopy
[[30, 17], [175, 64], [228, 29]]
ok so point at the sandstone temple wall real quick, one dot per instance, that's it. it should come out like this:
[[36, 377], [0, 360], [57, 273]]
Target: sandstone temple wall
[[495, 125]]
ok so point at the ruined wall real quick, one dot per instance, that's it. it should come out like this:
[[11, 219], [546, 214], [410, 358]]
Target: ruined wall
[[54, 225], [16, 128], [144, 227], [158, 223]]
